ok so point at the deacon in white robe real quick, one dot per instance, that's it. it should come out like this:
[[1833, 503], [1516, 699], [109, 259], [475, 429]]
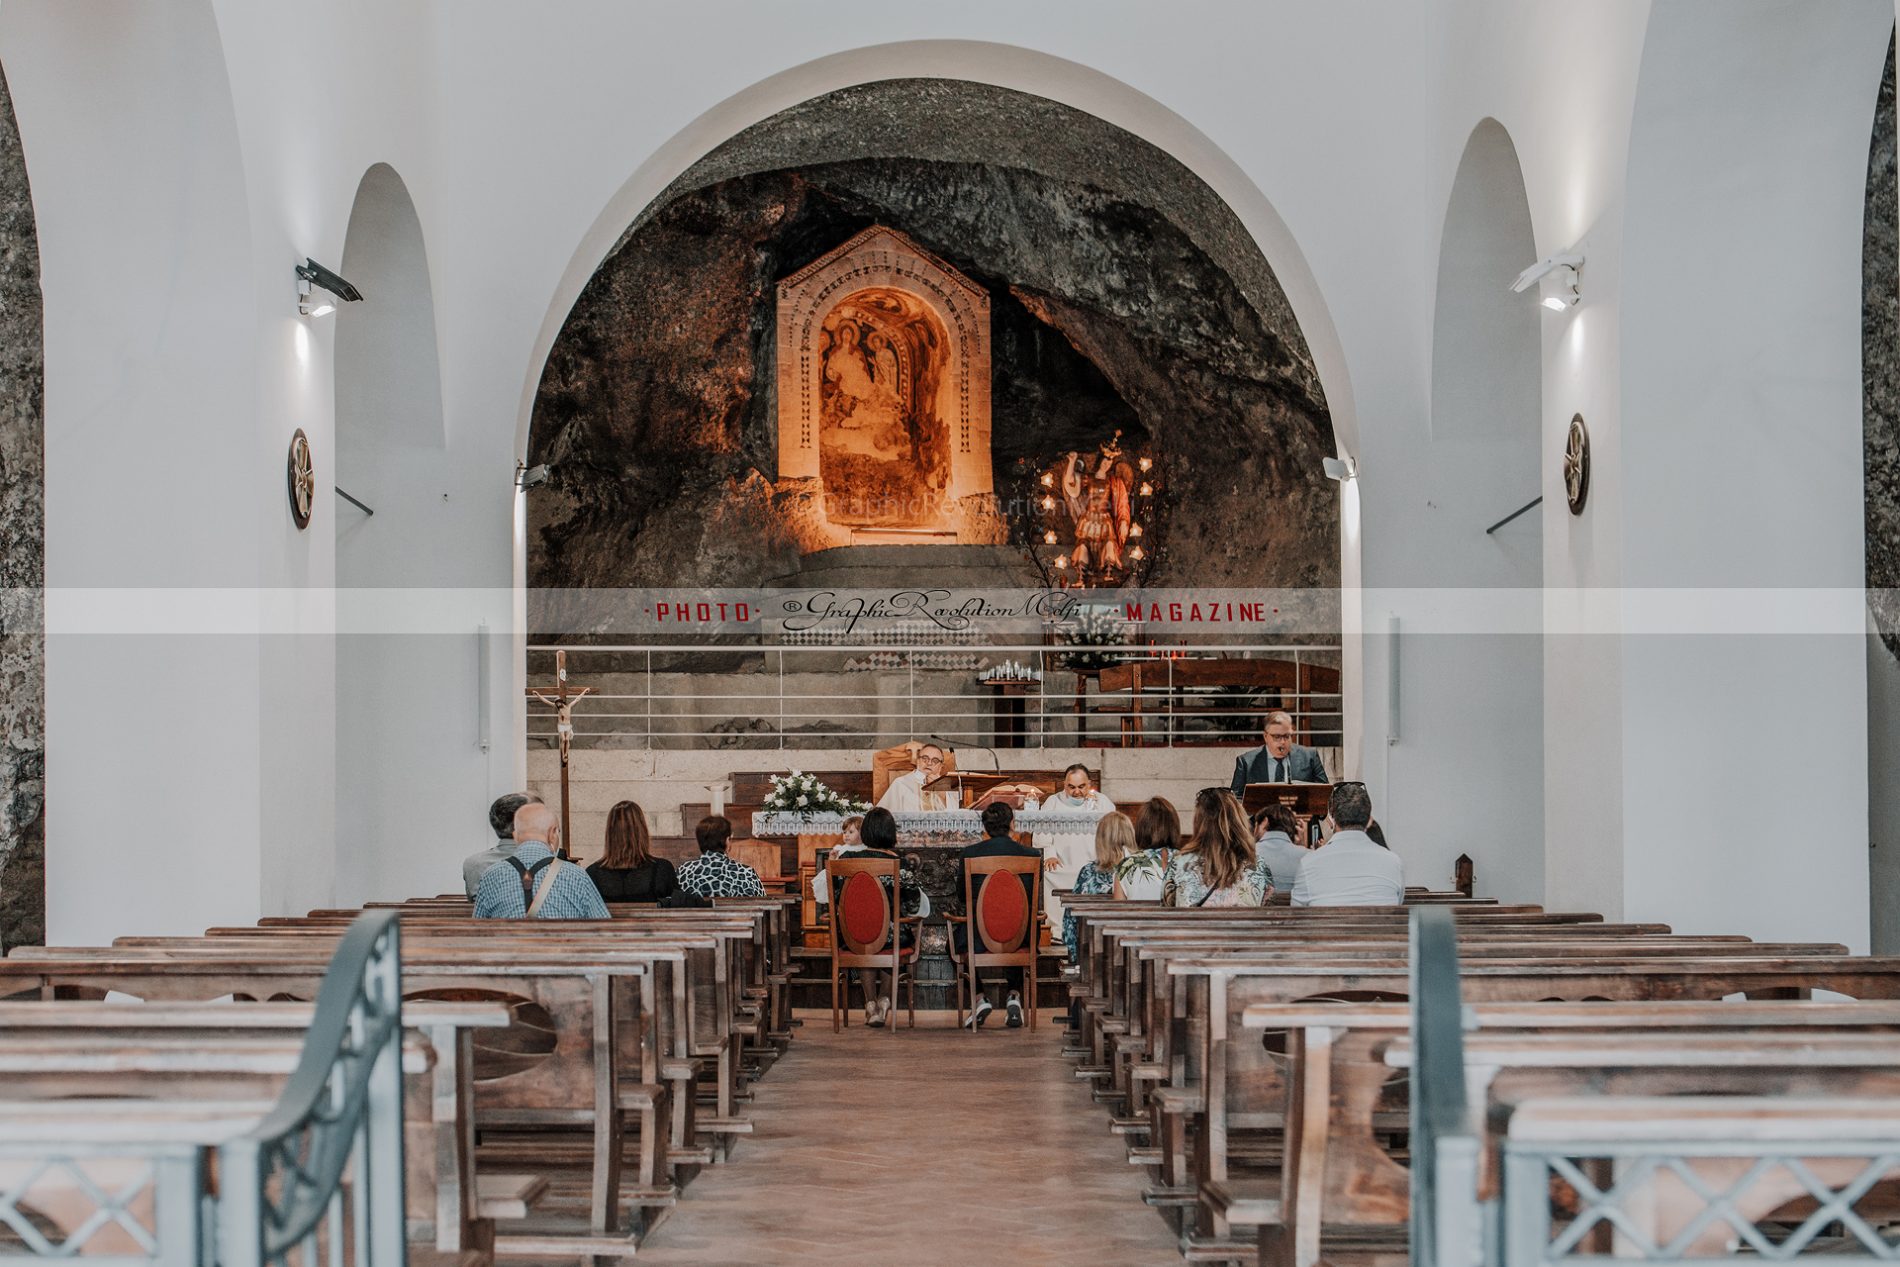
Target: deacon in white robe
[[1065, 853]]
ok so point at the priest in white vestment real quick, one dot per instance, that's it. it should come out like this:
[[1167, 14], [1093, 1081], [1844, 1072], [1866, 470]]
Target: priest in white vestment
[[906, 791], [1064, 853]]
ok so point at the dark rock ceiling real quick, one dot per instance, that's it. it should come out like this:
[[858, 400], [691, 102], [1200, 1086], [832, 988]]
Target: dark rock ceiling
[[1125, 296]]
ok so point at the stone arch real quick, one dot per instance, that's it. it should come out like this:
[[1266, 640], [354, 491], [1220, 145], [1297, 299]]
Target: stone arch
[[1004, 66], [1040, 74]]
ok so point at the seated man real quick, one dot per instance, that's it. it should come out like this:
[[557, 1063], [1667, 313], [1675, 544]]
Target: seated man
[[713, 874], [1067, 851], [535, 882], [501, 820], [997, 844], [1349, 869], [906, 792], [1274, 829], [1278, 759]]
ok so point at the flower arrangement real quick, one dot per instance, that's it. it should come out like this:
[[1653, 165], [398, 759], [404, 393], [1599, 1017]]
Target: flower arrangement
[[800, 793], [1095, 627]]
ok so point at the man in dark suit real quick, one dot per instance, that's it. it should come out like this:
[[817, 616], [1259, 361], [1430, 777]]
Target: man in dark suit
[[998, 843], [1279, 759]]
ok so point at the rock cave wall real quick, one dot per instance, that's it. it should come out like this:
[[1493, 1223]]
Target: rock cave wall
[[1880, 367], [1125, 296], [22, 555]]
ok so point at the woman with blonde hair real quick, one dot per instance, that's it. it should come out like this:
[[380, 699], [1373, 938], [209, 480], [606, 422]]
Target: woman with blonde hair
[[1114, 840], [1218, 866], [631, 871]]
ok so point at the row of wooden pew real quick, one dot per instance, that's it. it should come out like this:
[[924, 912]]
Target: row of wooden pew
[[564, 1080], [1257, 1062]]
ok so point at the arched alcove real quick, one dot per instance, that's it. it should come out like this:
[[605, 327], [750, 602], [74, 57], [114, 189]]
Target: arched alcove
[[1025, 70], [1477, 784], [22, 554], [397, 692]]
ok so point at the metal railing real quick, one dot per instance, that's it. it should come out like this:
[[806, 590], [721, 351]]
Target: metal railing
[[286, 1201], [736, 696]]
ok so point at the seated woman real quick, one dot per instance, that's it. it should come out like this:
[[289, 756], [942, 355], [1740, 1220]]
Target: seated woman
[[1217, 867], [630, 872], [1114, 841], [1157, 836], [878, 834]]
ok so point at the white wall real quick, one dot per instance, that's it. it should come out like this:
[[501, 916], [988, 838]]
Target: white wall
[[145, 734], [1741, 466], [218, 144]]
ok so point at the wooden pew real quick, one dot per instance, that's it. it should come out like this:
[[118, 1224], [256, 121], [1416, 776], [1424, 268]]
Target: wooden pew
[[185, 1052], [707, 1019], [316, 1174], [1654, 1168], [598, 1002], [1334, 1168], [1222, 1080]]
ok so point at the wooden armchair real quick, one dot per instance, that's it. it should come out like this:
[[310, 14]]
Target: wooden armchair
[[1002, 924], [867, 927]]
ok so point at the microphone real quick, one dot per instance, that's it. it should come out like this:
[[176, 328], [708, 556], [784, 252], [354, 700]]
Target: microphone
[[996, 767]]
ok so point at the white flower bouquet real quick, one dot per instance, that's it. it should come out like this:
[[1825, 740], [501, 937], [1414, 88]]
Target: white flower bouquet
[[1095, 627], [800, 793]]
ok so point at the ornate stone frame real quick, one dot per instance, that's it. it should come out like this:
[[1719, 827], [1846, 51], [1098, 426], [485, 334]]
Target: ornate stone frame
[[883, 257]]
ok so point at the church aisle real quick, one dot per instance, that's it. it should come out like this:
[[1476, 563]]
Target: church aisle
[[928, 1146]]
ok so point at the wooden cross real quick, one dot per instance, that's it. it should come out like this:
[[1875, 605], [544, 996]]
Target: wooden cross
[[562, 702]]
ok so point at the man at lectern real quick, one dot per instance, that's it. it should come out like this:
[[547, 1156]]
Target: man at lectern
[[906, 791], [1278, 759]]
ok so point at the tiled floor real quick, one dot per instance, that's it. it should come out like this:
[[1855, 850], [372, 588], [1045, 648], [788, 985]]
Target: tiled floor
[[928, 1147]]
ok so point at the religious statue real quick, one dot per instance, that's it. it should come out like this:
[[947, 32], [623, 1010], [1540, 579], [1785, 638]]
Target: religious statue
[[1096, 496]]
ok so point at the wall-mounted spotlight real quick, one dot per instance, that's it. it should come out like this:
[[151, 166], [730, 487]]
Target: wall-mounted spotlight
[[311, 277], [1563, 272], [527, 477], [1341, 469]]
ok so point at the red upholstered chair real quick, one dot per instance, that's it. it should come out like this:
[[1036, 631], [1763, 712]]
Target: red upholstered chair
[[866, 927], [1003, 920]]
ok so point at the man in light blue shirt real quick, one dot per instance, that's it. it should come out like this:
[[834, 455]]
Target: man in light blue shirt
[[560, 889], [1350, 869]]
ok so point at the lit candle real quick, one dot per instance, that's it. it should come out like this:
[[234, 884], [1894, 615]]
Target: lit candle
[[1048, 480], [1134, 530], [1049, 538], [1147, 463], [1136, 554], [1147, 489]]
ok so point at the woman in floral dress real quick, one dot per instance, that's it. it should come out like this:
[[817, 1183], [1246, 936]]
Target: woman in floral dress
[[1114, 840], [1218, 867]]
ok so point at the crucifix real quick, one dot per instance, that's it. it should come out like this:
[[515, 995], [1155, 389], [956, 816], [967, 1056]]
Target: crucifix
[[562, 702]]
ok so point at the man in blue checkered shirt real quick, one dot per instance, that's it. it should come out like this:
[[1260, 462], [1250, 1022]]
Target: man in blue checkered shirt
[[561, 889]]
